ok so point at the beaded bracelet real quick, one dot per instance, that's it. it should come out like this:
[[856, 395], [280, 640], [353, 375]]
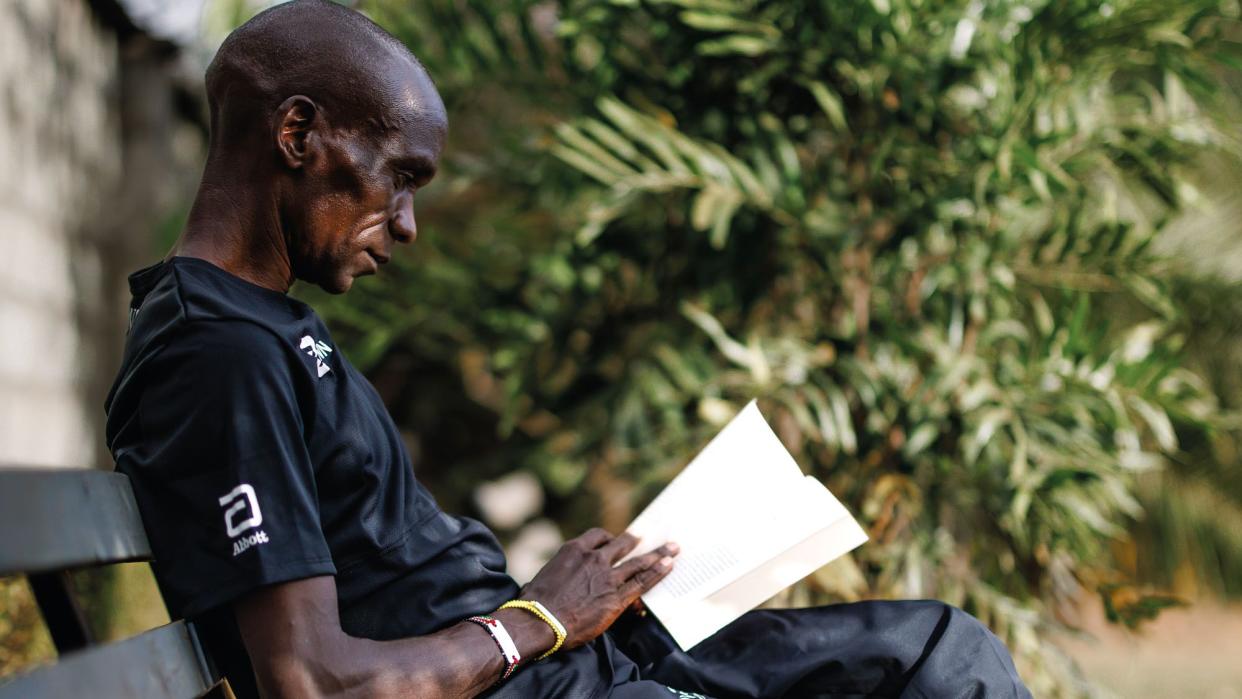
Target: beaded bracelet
[[508, 649], [542, 612]]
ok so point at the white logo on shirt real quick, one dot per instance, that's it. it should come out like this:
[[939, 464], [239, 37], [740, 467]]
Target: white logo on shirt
[[319, 350], [241, 514]]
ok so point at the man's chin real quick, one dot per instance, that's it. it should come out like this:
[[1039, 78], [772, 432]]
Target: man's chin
[[339, 279], [338, 284]]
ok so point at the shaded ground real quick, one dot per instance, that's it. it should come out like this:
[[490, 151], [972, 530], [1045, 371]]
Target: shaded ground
[[1194, 652]]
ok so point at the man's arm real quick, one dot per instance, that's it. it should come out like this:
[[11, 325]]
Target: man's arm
[[293, 635]]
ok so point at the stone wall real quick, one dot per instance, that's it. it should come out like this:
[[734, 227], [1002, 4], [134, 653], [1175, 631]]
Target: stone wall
[[94, 151], [59, 158]]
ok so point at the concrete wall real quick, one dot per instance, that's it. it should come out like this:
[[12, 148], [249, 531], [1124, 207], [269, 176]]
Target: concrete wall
[[94, 151], [59, 158]]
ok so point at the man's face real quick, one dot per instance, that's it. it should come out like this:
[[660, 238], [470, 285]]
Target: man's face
[[359, 200]]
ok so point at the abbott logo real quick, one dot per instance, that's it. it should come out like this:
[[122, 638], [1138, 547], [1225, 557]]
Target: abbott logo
[[241, 514], [241, 498]]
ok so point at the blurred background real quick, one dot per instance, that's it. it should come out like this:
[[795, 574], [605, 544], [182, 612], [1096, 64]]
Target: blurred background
[[979, 261]]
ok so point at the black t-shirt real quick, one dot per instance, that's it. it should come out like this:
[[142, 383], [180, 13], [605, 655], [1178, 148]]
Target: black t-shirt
[[259, 455]]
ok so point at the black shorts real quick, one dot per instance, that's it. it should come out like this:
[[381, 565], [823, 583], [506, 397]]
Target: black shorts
[[868, 649]]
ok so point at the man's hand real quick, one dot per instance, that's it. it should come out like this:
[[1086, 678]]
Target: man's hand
[[582, 588]]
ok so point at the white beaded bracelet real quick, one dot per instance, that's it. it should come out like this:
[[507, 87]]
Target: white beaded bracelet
[[508, 649]]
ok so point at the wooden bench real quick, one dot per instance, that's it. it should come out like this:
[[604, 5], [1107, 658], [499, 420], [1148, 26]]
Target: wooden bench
[[53, 521]]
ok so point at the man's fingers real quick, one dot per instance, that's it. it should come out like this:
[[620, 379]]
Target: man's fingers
[[632, 567], [616, 549], [647, 578], [594, 538]]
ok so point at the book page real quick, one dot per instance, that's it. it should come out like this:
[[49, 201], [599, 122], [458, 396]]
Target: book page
[[747, 530], [691, 623], [710, 507], [749, 524]]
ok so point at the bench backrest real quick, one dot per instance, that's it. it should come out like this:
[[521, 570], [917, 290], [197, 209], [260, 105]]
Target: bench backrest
[[52, 521]]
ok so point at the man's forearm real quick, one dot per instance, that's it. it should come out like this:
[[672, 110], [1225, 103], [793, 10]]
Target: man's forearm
[[460, 661], [298, 650]]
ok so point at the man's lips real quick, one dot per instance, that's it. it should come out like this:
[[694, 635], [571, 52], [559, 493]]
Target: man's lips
[[379, 259]]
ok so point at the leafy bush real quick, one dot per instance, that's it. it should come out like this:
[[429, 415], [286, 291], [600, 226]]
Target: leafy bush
[[920, 232]]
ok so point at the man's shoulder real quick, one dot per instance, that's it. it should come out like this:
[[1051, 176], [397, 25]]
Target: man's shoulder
[[200, 328], [209, 293], [237, 339], [195, 341], [197, 306]]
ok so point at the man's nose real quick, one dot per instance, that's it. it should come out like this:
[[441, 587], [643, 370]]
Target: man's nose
[[402, 226]]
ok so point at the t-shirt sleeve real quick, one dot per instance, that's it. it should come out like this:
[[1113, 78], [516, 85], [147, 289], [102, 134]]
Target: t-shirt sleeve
[[222, 473]]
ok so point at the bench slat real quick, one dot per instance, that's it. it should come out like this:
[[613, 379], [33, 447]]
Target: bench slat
[[160, 664], [57, 519]]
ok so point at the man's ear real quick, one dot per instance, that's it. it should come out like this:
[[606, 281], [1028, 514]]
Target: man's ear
[[298, 121]]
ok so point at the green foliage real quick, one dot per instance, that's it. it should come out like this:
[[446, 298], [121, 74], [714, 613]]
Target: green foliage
[[1190, 537], [919, 231], [24, 640], [1123, 605]]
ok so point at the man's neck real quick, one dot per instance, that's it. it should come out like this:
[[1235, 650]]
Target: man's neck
[[235, 226]]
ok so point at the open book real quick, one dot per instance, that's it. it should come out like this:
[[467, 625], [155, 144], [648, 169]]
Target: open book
[[749, 524]]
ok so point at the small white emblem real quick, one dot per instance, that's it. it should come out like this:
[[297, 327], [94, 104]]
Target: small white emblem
[[238, 500], [241, 514], [319, 350]]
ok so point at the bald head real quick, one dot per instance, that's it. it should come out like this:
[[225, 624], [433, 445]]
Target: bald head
[[359, 75], [323, 129]]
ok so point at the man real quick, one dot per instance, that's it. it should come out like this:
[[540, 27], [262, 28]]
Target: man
[[281, 505]]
